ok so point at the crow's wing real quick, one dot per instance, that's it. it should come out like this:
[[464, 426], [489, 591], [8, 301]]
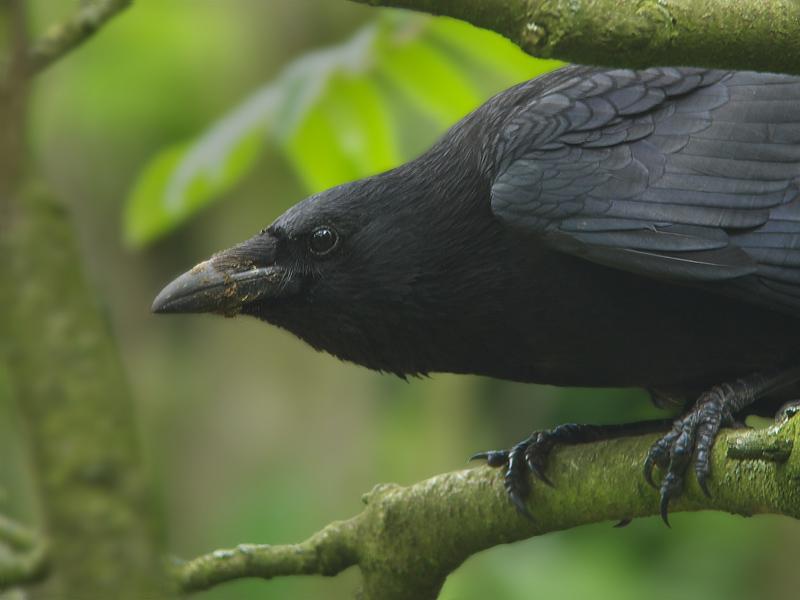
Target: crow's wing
[[685, 174]]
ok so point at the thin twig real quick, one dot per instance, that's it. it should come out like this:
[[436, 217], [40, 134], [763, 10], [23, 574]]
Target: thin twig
[[62, 38], [325, 553]]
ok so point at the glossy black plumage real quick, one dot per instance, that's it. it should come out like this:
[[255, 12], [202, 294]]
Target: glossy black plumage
[[686, 174], [592, 227]]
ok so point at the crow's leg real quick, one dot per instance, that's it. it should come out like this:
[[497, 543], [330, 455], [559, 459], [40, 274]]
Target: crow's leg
[[532, 453], [692, 436]]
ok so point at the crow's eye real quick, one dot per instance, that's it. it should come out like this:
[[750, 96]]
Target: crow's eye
[[323, 240]]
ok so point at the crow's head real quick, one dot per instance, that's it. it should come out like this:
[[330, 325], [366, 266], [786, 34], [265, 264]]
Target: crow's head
[[383, 271], [280, 267]]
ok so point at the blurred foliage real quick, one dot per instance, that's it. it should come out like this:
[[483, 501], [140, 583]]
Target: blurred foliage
[[330, 111], [249, 434]]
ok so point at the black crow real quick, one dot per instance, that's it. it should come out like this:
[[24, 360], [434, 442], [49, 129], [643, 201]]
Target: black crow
[[591, 227]]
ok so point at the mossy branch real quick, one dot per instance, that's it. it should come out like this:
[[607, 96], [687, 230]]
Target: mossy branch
[[408, 539], [71, 392], [64, 369], [735, 34]]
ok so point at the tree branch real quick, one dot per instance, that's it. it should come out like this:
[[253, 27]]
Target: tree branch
[[62, 38], [68, 381], [408, 539], [63, 366], [735, 34]]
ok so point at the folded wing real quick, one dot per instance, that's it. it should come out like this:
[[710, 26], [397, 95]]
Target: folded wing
[[684, 174]]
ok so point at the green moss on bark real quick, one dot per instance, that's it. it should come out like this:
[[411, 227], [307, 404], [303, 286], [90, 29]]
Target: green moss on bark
[[70, 388], [736, 34], [408, 539]]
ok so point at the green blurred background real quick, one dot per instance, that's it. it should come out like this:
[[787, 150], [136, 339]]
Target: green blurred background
[[250, 435]]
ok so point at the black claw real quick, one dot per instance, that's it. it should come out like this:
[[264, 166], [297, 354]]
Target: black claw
[[493, 458], [705, 442], [623, 523], [543, 478], [479, 456], [655, 457], [648, 470], [516, 482], [519, 504], [536, 468], [664, 508], [671, 486], [659, 455]]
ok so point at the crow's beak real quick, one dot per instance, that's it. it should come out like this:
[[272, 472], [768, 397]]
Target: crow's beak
[[227, 281]]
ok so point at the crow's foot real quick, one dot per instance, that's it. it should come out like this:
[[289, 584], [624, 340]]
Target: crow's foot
[[692, 436], [531, 454]]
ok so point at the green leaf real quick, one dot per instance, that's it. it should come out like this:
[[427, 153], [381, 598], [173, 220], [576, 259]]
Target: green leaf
[[431, 80], [487, 49], [347, 135], [339, 114], [183, 178], [145, 214]]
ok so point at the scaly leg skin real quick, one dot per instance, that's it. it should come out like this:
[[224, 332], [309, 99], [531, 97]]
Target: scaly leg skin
[[531, 454], [692, 436]]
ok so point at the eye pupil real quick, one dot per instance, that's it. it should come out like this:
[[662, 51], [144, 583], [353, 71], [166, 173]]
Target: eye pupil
[[323, 240]]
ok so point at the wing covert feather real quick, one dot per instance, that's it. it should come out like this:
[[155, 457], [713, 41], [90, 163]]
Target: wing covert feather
[[685, 174]]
